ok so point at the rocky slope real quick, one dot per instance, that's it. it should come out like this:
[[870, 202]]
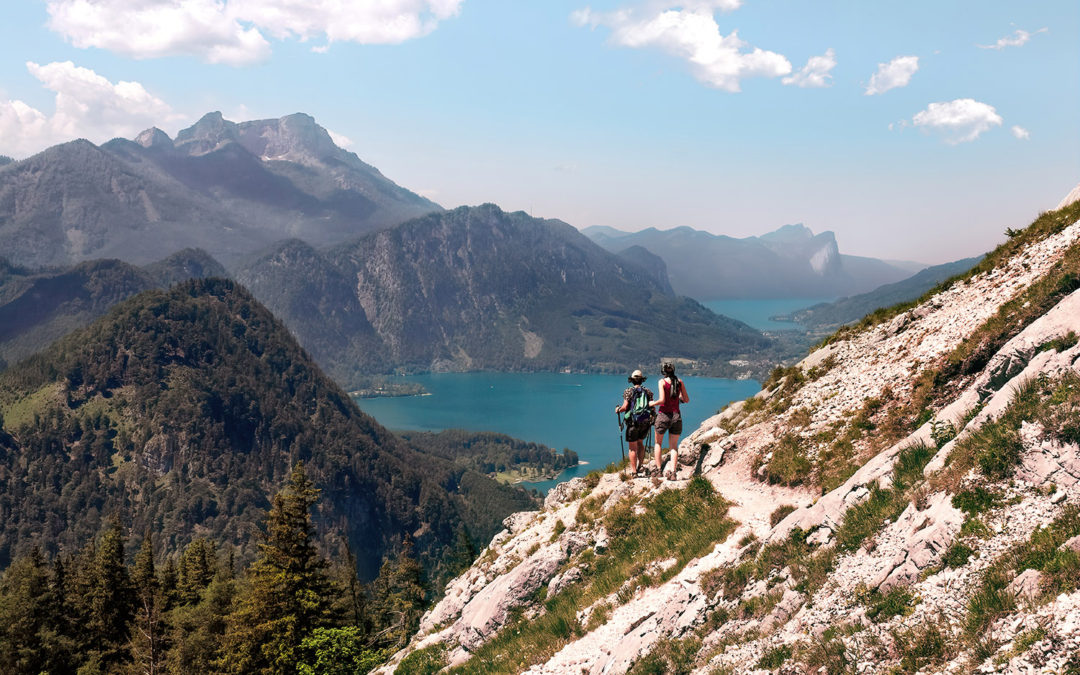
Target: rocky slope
[[845, 310], [791, 262], [230, 189], [907, 500]]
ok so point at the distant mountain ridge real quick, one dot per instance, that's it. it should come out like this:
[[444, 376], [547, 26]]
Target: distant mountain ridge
[[479, 288], [39, 306], [789, 262], [230, 189]]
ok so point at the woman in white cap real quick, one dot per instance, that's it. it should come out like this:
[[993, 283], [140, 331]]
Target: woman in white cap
[[637, 406]]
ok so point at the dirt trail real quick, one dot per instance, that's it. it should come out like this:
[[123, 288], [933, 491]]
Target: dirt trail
[[753, 501]]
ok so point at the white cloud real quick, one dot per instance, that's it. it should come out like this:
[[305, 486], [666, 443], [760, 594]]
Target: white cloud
[[816, 71], [1017, 39], [1021, 133], [895, 73], [691, 33], [959, 121], [233, 31], [87, 105]]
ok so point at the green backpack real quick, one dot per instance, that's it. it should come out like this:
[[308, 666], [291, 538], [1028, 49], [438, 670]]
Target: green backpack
[[640, 413]]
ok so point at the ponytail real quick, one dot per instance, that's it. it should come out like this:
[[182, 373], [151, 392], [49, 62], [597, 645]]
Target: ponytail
[[668, 370]]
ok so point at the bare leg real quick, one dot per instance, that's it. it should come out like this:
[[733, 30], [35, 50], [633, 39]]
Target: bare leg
[[673, 441], [659, 452], [634, 445]]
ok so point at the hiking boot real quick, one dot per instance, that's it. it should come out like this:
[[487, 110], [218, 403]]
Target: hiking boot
[[670, 475]]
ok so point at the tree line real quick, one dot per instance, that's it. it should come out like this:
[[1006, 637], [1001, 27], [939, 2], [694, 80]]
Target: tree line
[[291, 610]]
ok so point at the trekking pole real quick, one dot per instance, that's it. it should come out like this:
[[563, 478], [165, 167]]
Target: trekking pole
[[622, 449]]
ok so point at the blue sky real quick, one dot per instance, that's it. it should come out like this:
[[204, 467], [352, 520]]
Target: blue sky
[[917, 130]]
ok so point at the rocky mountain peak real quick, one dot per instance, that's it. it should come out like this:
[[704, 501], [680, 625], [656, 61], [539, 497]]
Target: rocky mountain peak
[[295, 138], [796, 232], [154, 138], [206, 135]]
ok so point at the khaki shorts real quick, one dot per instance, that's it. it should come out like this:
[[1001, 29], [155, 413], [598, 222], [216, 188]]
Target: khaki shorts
[[668, 423]]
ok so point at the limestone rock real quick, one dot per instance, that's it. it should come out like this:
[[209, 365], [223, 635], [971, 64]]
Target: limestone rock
[[1027, 585]]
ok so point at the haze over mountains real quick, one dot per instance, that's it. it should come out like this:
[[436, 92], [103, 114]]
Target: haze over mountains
[[230, 189], [790, 262]]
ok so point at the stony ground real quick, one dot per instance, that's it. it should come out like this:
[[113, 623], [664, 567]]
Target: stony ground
[[543, 548]]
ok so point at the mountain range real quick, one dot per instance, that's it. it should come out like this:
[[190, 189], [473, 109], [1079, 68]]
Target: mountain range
[[479, 288], [227, 188], [39, 306], [791, 262]]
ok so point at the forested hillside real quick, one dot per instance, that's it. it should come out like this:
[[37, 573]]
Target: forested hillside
[[182, 410]]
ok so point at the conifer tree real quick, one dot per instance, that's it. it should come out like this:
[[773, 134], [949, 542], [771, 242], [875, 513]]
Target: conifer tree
[[148, 633], [106, 605], [287, 594], [398, 598], [23, 613]]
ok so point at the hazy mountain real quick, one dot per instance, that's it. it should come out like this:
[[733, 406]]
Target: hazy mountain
[[478, 288], [787, 263], [651, 262], [846, 310], [39, 306], [182, 411], [230, 189]]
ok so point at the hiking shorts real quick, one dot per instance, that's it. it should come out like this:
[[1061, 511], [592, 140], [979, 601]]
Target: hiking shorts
[[668, 423], [636, 433]]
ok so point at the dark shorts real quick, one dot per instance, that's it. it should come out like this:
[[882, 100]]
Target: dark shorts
[[668, 423], [636, 433]]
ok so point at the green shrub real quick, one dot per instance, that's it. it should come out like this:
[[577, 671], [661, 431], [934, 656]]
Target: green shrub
[[780, 513], [775, 657], [976, 500], [426, 661], [1000, 450], [923, 647], [881, 608], [957, 555], [669, 657], [789, 464]]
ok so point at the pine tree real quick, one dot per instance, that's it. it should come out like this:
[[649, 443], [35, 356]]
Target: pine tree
[[105, 602], [23, 597], [198, 565], [398, 599], [287, 593], [148, 633]]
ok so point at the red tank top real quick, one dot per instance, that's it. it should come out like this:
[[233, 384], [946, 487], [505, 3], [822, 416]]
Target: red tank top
[[671, 403]]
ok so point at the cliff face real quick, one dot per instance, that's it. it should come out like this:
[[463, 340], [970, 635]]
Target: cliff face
[[906, 500]]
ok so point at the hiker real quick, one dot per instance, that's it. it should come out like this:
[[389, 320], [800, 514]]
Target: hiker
[[669, 419], [638, 413]]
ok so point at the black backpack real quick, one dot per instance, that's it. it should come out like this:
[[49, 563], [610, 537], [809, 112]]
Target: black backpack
[[640, 413]]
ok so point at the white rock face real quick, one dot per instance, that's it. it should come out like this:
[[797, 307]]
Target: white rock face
[[1072, 197], [906, 556]]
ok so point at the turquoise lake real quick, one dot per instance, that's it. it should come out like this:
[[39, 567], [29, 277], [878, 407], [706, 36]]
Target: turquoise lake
[[558, 410], [757, 313]]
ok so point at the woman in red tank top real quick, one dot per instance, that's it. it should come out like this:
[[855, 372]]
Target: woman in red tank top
[[672, 392]]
